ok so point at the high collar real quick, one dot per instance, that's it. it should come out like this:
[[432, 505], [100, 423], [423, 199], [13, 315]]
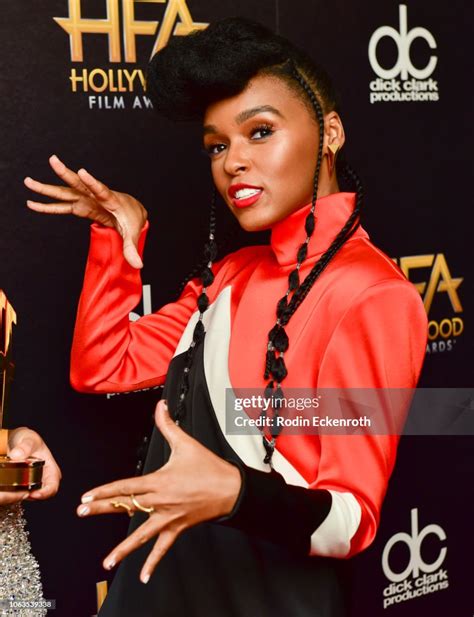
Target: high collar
[[331, 211]]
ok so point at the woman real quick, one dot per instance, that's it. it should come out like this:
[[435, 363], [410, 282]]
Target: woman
[[244, 525]]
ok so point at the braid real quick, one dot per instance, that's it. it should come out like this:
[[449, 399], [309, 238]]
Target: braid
[[346, 232], [198, 268], [207, 277], [277, 337]]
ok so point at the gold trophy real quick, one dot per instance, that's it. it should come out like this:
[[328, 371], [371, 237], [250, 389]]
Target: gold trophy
[[23, 475]]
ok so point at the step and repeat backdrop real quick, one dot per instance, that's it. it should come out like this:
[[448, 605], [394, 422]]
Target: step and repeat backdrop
[[72, 84]]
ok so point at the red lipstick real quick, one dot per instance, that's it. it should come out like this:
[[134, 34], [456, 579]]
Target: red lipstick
[[243, 202]]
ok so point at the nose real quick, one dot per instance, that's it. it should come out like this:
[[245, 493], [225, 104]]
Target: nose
[[236, 160]]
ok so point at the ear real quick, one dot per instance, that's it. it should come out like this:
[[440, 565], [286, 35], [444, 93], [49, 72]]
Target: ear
[[333, 131]]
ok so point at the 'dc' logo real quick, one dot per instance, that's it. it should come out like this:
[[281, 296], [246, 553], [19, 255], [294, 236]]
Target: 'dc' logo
[[414, 542], [403, 40]]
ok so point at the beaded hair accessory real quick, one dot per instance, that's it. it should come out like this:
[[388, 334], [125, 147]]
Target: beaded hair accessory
[[207, 278]]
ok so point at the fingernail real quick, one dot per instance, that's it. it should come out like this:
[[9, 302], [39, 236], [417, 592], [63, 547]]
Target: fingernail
[[83, 510], [27, 178], [87, 498], [145, 579], [165, 404], [25, 496], [17, 453], [109, 564]]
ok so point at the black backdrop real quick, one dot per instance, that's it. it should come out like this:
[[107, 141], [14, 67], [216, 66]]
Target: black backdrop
[[415, 163]]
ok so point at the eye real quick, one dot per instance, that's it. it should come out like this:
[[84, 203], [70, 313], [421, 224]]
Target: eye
[[213, 149], [261, 131]]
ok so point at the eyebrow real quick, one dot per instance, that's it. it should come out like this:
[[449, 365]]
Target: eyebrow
[[245, 115]]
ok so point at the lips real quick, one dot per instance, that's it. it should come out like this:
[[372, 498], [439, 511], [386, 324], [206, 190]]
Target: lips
[[243, 195]]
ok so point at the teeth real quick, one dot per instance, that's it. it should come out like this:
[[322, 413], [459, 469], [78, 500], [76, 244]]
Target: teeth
[[244, 193]]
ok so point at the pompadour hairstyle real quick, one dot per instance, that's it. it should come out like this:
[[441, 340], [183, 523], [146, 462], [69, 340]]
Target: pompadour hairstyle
[[193, 71]]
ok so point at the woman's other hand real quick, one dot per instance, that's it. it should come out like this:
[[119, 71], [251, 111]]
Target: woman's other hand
[[86, 197], [22, 443], [194, 486]]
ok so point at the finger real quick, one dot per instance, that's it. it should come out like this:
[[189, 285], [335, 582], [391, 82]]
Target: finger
[[106, 506], [98, 189], [48, 489], [10, 497], [121, 488], [130, 251], [18, 453], [130, 241], [140, 536], [168, 428], [54, 208], [45, 492], [67, 175], [50, 190], [50, 482], [23, 449], [165, 541]]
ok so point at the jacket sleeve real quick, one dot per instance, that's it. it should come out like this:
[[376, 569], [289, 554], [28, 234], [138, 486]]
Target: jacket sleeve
[[109, 352], [379, 342]]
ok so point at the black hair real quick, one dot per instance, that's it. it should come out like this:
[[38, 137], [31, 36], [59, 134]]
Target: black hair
[[194, 71]]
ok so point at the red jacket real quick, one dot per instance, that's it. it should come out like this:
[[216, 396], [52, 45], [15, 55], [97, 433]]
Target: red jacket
[[362, 325]]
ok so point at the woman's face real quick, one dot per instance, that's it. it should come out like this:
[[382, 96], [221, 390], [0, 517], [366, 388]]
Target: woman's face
[[263, 146]]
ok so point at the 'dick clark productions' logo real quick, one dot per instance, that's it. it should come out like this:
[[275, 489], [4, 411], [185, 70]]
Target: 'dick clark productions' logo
[[421, 576], [399, 79], [123, 84]]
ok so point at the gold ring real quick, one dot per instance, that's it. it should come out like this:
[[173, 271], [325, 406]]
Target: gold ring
[[121, 504], [139, 505]]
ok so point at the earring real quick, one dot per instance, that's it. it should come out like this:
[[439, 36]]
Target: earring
[[331, 157]]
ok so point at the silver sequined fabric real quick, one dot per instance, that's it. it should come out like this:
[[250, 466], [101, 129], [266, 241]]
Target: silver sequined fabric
[[19, 571]]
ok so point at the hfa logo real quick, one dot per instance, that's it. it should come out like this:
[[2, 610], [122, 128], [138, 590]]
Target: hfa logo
[[176, 21], [388, 87], [418, 577], [442, 333]]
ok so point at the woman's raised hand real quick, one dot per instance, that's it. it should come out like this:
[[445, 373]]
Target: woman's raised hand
[[86, 197], [194, 486]]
